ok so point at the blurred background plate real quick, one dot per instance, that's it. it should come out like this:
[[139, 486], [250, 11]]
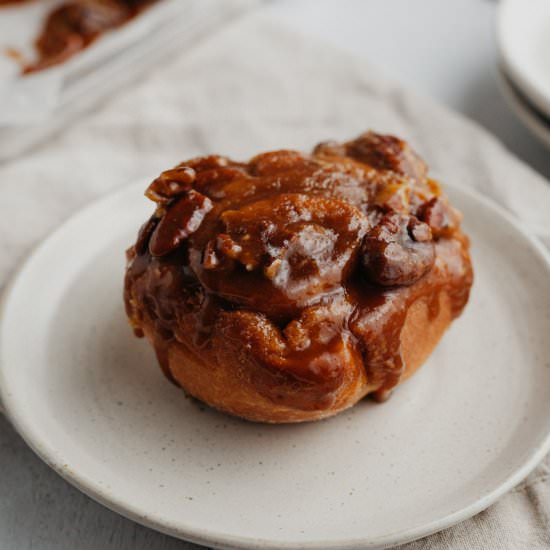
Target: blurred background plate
[[536, 121], [523, 34]]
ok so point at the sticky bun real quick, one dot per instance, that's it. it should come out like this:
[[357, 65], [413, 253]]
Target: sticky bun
[[289, 287]]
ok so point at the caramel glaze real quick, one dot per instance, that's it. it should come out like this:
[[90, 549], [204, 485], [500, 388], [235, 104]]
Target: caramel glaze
[[296, 265]]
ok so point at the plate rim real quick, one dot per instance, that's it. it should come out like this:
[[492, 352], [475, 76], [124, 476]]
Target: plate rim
[[114, 502], [527, 114]]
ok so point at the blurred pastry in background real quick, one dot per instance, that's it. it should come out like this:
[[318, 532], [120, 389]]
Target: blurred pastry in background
[[74, 25]]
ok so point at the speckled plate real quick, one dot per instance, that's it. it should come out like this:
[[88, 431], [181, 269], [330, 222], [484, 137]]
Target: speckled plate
[[90, 400]]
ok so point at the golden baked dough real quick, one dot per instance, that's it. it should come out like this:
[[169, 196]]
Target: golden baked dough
[[287, 288]]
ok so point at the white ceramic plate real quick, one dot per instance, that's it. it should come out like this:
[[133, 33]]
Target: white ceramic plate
[[523, 35], [90, 400], [533, 119]]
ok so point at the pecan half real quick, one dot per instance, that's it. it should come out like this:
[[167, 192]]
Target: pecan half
[[397, 251], [181, 219], [440, 216], [170, 184], [387, 153]]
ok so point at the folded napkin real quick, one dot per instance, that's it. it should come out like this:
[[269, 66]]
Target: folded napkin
[[253, 87]]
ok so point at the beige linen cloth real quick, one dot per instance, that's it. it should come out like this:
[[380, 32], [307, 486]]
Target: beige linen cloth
[[252, 87]]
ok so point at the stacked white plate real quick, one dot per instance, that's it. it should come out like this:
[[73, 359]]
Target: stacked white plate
[[523, 35]]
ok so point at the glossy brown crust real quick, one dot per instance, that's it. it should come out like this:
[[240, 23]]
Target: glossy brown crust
[[287, 288]]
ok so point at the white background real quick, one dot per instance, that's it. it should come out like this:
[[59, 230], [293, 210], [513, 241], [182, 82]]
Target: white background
[[451, 57]]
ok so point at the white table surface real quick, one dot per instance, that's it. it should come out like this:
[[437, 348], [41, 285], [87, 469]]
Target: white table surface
[[451, 57]]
